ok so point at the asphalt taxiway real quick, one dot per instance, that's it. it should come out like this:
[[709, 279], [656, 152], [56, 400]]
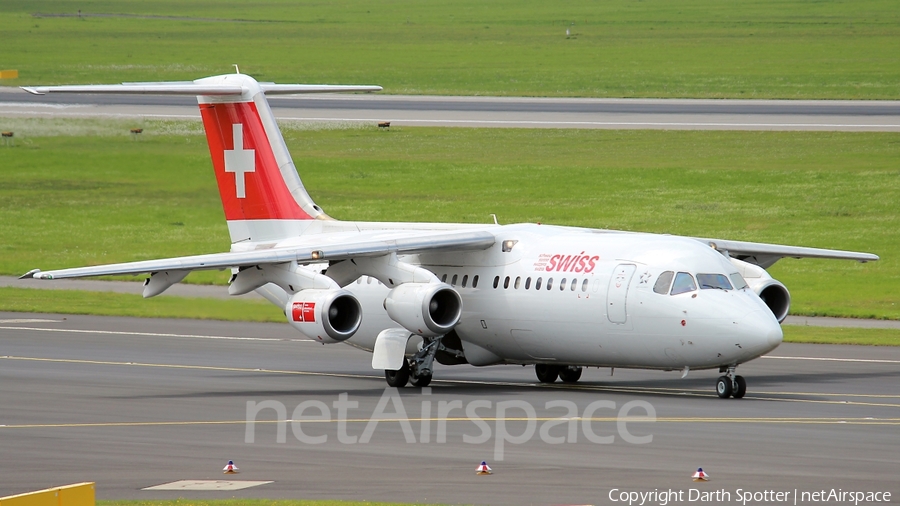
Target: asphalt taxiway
[[134, 403], [503, 112]]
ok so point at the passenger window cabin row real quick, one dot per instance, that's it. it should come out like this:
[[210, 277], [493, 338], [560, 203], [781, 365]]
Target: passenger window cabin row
[[564, 284], [683, 282], [465, 280], [508, 282]]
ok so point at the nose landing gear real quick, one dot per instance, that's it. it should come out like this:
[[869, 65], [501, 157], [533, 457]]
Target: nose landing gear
[[731, 385]]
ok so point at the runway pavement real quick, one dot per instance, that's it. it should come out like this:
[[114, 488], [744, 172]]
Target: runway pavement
[[133, 403], [682, 114]]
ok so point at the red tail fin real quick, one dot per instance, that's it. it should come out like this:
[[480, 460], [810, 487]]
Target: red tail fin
[[250, 182]]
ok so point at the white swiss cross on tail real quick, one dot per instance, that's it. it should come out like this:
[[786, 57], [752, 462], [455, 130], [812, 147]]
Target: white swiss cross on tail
[[240, 160]]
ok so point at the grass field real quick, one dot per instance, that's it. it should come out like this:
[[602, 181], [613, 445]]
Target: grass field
[[617, 48], [80, 199], [27, 300], [835, 335]]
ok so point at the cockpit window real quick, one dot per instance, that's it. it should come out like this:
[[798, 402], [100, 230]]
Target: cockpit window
[[738, 280], [684, 282], [713, 281], [663, 282]]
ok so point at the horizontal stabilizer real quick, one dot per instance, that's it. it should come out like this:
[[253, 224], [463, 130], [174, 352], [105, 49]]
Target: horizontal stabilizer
[[290, 89], [194, 88], [141, 89]]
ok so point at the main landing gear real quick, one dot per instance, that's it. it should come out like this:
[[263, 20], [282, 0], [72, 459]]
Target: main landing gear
[[398, 378], [405, 375], [548, 373], [418, 370], [731, 385]]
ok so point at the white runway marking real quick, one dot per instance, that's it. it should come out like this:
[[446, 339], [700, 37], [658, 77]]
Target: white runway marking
[[66, 114], [602, 123], [499, 123], [154, 334], [828, 359], [29, 320], [35, 104], [207, 485]]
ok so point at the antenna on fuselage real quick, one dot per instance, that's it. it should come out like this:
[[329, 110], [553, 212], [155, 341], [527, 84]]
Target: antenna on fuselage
[[495, 219], [236, 69]]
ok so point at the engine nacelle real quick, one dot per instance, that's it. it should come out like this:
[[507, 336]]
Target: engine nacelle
[[769, 289], [425, 309], [326, 316], [774, 294]]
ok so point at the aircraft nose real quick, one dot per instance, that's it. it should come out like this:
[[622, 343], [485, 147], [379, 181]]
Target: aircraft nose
[[764, 331], [775, 336]]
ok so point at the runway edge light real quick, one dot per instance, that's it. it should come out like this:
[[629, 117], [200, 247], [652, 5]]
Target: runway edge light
[[700, 475], [483, 469], [230, 468]]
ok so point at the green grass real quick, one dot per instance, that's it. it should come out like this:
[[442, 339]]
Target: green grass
[[836, 335], [618, 48], [27, 300], [84, 200]]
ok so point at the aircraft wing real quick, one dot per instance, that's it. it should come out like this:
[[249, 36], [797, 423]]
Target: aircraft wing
[[311, 249], [764, 255]]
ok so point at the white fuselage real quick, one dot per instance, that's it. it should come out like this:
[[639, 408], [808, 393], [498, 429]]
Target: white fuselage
[[585, 297]]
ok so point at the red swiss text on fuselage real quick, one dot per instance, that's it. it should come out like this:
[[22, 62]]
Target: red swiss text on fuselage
[[581, 262]]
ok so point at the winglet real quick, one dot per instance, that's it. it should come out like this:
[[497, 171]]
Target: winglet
[[33, 91], [30, 274]]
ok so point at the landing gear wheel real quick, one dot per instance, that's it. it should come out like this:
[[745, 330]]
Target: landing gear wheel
[[723, 387], [546, 373], [740, 387], [420, 381], [570, 374], [398, 378]]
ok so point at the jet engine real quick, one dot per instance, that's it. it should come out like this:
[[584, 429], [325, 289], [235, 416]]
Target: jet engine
[[326, 316], [774, 294], [769, 289], [426, 309]]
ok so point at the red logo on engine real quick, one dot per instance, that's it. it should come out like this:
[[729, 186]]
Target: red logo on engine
[[304, 312], [566, 263]]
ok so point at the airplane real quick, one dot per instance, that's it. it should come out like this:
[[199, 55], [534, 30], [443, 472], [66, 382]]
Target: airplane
[[559, 298]]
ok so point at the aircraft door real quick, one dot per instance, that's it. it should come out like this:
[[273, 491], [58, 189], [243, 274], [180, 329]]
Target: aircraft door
[[617, 294]]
